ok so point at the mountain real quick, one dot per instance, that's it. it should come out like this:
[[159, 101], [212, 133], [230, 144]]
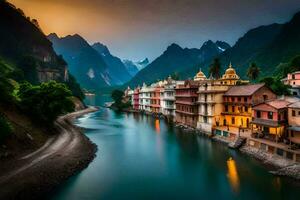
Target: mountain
[[85, 63], [267, 46], [142, 63], [24, 46], [177, 59], [115, 67], [131, 67]]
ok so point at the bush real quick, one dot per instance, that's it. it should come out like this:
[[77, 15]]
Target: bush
[[46, 101], [5, 128]]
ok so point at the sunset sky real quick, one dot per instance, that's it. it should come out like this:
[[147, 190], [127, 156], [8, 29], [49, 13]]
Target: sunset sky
[[135, 29]]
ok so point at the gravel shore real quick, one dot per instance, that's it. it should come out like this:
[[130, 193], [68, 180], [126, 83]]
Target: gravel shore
[[35, 175]]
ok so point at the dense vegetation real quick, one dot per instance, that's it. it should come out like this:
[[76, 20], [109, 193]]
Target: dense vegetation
[[119, 104], [5, 128], [46, 101]]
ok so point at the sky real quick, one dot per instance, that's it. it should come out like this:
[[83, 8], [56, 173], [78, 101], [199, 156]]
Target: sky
[[135, 29]]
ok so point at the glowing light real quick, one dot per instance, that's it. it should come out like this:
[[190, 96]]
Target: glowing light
[[232, 175], [157, 126]]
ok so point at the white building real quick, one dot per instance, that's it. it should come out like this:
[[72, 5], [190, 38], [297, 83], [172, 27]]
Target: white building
[[144, 98]]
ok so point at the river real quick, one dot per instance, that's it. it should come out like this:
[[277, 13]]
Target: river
[[140, 157]]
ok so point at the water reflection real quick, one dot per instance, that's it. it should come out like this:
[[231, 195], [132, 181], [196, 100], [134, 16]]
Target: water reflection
[[232, 175], [157, 125]]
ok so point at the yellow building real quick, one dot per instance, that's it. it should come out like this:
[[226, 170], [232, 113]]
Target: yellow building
[[210, 98]]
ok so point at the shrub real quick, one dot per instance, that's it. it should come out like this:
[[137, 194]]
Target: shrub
[[46, 101], [5, 128]]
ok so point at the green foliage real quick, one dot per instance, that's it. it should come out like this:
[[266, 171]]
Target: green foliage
[[284, 68], [5, 128], [253, 72], [6, 88], [29, 65], [215, 68], [117, 96], [175, 76], [74, 86], [276, 85], [45, 102]]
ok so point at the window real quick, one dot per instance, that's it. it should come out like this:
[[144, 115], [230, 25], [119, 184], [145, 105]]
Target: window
[[246, 108], [232, 120], [232, 99], [226, 108], [245, 99], [293, 113], [293, 76], [265, 97], [270, 115], [298, 112], [258, 114], [233, 109], [239, 99]]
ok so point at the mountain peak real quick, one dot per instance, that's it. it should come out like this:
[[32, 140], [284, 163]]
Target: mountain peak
[[174, 46], [52, 36], [101, 48]]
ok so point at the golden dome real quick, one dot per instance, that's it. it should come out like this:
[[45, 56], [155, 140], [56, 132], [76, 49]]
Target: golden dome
[[200, 76], [230, 73], [230, 70]]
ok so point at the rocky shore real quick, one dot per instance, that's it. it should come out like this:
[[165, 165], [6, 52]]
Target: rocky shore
[[281, 166], [35, 175]]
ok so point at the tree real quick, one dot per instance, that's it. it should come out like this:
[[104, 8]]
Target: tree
[[6, 88], [276, 85], [253, 72], [117, 96], [215, 68], [46, 101]]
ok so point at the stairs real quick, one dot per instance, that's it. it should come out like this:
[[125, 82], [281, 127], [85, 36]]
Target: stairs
[[237, 143]]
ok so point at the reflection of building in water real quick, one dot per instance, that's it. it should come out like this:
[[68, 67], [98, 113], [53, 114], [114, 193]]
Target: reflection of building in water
[[157, 125], [232, 175]]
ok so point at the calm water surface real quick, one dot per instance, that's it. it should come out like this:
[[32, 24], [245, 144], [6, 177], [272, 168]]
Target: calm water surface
[[140, 157]]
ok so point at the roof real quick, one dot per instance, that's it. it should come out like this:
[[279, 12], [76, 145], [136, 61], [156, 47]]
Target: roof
[[243, 90], [295, 105], [265, 122], [272, 105]]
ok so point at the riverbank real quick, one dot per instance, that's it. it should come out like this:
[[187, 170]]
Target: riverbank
[[34, 175]]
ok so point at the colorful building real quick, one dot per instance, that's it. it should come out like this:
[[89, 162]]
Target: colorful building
[[168, 98], [238, 104], [270, 119], [293, 80], [136, 99], [186, 103], [155, 99], [210, 98], [144, 98], [294, 124]]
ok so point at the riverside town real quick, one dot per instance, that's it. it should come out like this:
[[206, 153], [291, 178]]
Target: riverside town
[[228, 109], [149, 99]]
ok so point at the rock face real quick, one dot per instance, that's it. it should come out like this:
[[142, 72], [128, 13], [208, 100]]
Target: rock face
[[178, 59], [131, 67], [25, 46], [115, 67]]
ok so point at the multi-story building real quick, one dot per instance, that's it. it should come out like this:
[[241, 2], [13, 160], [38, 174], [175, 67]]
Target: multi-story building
[[237, 107], [155, 99], [136, 98], [270, 119], [294, 123], [144, 98], [210, 98], [293, 80], [186, 103], [168, 97]]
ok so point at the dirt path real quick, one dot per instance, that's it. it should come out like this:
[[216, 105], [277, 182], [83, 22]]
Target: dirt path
[[64, 154]]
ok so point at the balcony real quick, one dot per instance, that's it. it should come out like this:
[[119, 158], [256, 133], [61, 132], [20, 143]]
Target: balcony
[[186, 103], [237, 113]]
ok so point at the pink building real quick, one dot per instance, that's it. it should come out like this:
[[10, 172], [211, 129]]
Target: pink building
[[293, 79], [136, 99], [270, 119]]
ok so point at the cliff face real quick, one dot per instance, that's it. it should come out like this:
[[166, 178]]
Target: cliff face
[[24, 46]]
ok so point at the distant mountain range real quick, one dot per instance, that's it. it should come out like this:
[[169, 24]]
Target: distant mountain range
[[134, 67], [177, 59], [93, 65], [267, 46]]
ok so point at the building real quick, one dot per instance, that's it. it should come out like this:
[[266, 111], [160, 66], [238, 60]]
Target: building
[[144, 98], [168, 105], [237, 107], [294, 124], [293, 80], [155, 99], [186, 103], [136, 98], [270, 119], [210, 98]]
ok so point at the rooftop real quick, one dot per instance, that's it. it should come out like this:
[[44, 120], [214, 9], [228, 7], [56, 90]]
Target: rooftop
[[244, 90]]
